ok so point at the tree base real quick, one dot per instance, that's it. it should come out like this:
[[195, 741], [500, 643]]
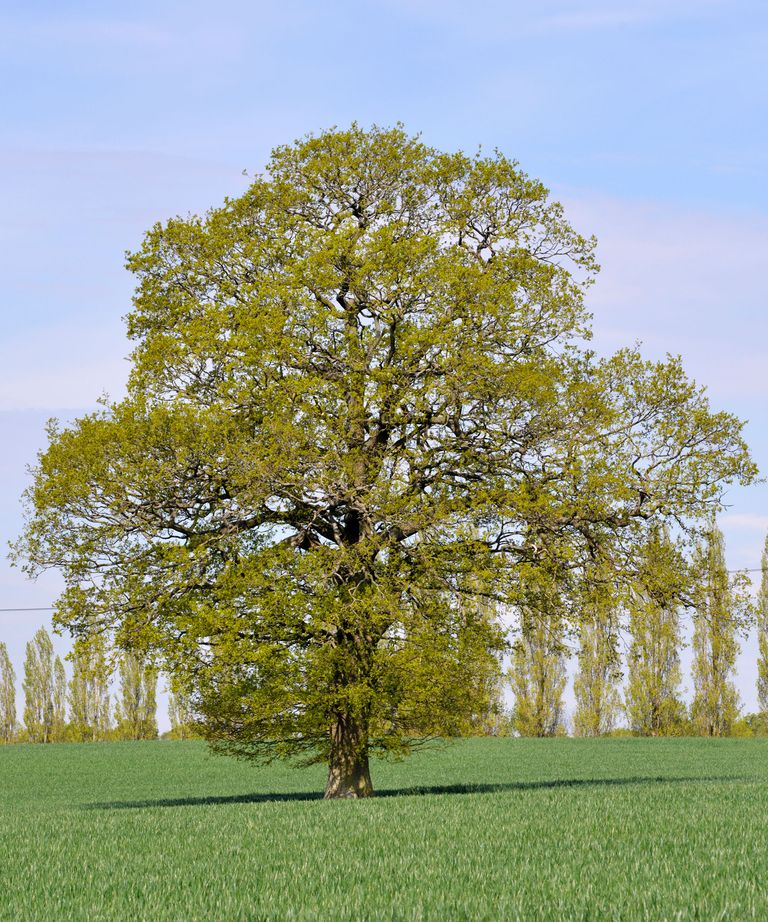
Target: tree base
[[348, 784], [348, 792], [349, 774]]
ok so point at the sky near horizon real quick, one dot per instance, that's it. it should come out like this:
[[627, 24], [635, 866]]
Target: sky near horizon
[[648, 120]]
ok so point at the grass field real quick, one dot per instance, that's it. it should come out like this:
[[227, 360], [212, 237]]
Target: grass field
[[482, 829]]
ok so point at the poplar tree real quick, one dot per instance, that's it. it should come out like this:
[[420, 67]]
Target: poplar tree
[[490, 717], [89, 698], [137, 712], [180, 711], [652, 701], [596, 683], [538, 673], [81, 725], [38, 687], [720, 613], [59, 720], [7, 697], [355, 388], [487, 716], [762, 636]]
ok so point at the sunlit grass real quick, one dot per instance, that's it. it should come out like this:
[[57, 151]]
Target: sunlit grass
[[482, 829]]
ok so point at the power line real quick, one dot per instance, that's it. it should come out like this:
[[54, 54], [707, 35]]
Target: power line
[[48, 608], [51, 607]]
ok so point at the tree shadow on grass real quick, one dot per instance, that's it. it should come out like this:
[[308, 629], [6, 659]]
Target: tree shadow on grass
[[422, 791]]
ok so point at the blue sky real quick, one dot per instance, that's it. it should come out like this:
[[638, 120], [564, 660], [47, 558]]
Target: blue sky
[[648, 119]]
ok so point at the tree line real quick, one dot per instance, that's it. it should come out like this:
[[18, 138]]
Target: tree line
[[82, 708], [651, 703], [649, 612]]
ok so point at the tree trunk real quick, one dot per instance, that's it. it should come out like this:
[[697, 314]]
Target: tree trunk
[[348, 771]]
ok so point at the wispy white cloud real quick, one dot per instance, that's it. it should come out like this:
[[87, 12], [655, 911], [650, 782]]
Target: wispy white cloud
[[682, 281], [559, 16], [66, 219], [160, 40], [594, 19], [62, 366], [577, 16], [41, 31], [747, 521]]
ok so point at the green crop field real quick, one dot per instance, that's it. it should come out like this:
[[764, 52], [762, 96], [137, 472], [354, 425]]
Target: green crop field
[[481, 829]]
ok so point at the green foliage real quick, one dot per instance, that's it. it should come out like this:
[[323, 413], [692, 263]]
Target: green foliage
[[487, 829], [653, 702], [722, 612], [356, 390], [7, 697], [488, 716], [762, 635], [538, 672], [595, 686], [89, 699], [38, 688], [180, 712], [751, 725], [59, 718], [136, 716]]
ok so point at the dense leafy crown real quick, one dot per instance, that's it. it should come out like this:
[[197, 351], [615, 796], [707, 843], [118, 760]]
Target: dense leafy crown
[[358, 405]]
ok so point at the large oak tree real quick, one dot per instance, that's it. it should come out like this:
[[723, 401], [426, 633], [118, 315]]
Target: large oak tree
[[356, 390]]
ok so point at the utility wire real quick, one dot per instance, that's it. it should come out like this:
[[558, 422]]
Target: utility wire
[[49, 608]]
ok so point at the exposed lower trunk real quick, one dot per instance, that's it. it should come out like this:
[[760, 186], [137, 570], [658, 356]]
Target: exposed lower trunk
[[348, 771]]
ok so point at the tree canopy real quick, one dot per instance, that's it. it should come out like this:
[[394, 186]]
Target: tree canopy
[[356, 391]]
